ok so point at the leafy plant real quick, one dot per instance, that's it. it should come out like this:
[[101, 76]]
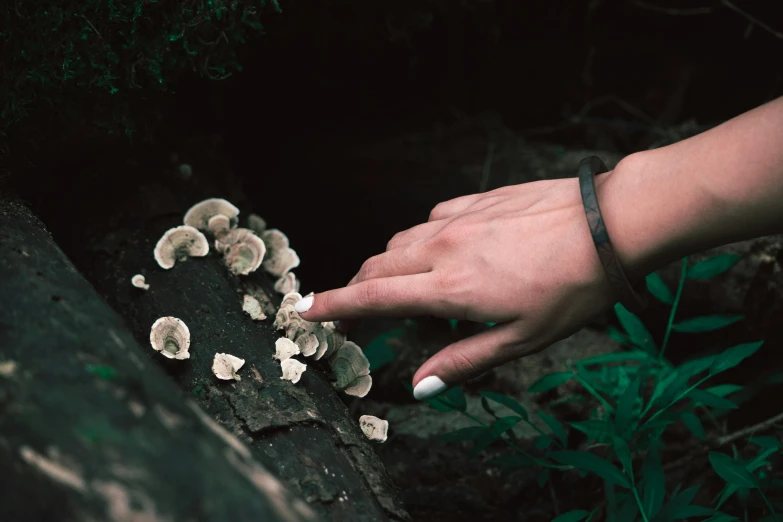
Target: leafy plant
[[637, 396]]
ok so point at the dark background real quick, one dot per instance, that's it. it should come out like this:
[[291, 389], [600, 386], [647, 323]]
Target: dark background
[[333, 75]]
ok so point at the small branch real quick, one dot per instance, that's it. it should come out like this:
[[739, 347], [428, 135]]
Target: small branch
[[763, 425], [672, 11], [752, 19], [93, 27]]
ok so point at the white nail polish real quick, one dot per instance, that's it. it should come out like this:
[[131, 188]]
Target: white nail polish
[[303, 304], [428, 388]]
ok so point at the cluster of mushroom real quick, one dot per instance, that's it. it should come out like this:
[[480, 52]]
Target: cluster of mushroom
[[319, 340], [244, 250]]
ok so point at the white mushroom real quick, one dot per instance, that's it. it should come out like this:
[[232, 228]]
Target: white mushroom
[[242, 250], [287, 284], [360, 387], [374, 428], [225, 366], [280, 258], [283, 316], [292, 370], [348, 364], [285, 349], [218, 225], [179, 243], [198, 215], [139, 282], [307, 343], [256, 223], [290, 299], [334, 340], [253, 308], [171, 337]]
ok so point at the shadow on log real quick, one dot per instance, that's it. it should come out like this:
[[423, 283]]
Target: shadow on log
[[91, 430]]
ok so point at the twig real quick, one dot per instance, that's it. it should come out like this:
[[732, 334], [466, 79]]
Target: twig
[[731, 437], [552, 494], [672, 11], [93, 27], [485, 170], [752, 19]]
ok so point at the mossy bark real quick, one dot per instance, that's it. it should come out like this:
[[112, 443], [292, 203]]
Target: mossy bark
[[90, 429]]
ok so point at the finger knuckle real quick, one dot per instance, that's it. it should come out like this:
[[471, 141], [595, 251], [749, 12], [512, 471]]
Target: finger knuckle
[[372, 292], [464, 365], [368, 269], [438, 212], [395, 241]]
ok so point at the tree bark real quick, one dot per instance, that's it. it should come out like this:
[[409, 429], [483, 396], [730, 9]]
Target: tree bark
[[89, 428], [303, 433]]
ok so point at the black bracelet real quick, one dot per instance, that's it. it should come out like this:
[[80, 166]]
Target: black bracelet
[[632, 299]]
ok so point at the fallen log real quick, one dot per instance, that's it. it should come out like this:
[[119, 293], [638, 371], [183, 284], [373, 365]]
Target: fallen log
[[89, 428]]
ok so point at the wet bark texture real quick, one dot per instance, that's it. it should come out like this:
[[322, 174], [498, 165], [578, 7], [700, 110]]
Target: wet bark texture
[[89, 428], [302, 432]]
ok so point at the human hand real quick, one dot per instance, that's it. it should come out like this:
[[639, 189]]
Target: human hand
[[520, 256]]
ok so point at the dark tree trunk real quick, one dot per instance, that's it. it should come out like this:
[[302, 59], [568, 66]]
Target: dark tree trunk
[[89, 428], [302, 432]]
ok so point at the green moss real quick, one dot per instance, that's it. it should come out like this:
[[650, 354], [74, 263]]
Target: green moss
[[57, 55], [104, 372]]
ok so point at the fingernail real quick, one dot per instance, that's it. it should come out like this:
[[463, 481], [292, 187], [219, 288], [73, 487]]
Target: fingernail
[[303, 304], [428, 388]]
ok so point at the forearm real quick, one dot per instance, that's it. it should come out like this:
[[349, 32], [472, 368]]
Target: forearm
[[718, 187]]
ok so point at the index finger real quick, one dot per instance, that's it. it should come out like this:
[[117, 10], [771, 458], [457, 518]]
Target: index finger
[[398, 296]]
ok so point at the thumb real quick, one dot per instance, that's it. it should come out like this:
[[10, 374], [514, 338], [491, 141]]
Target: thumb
[[469, 358]]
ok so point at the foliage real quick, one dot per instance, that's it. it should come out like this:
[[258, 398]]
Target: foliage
[[638, 395], [55, 54]]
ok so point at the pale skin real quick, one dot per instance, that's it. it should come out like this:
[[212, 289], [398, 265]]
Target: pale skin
[[522, 256]]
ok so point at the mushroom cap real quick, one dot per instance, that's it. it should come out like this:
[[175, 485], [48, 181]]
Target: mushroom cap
[[245, 256], [292, 370], [374, 428], [170, 336], [291, 299], [226, 240], [256, 223], [348, 363], [139, 282], [284, 315], [225, 366], [281, 261], [285, 349], [334, 340], [253, 308], [179, 243], [274, 239], [218, 224], [198, 215], [287, 284], [307, 343], [323, 344], [359, 387]]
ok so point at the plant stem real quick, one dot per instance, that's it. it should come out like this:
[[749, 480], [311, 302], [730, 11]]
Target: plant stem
[[674, 401], [769, 505], [593, 392], [675, 304], [639, 503]]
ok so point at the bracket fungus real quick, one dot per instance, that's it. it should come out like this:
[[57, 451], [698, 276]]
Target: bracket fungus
[[198, 215], [292, 370], [170, 336], [349, 364], [256, 223], [243, 251], [139, 282], [287, 284], [179, 243], [218, 225], [225, 366], [281, 258], [285, 349], [374, 428], [253, 308]]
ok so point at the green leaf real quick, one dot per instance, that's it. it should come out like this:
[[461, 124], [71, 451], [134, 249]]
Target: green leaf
[[678, 503], [766, 442], [453, 323], [636, 355], [638, 333], [693, 424], [589, 462], [378, 351], [693, 511], [722, 390], [543, 442], [722, 517], [706, 323], [711, 400], [453, 398], [542, 478], [550, 382], [557, 428], [731, 471], [712, 266], [731, 357], [508, 402], [494, 432], [623, 455], [463, 434], [654, 482], [572, 516], [696, 366], [658, 288], [597, 430], [618, 336], [625, 406]]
